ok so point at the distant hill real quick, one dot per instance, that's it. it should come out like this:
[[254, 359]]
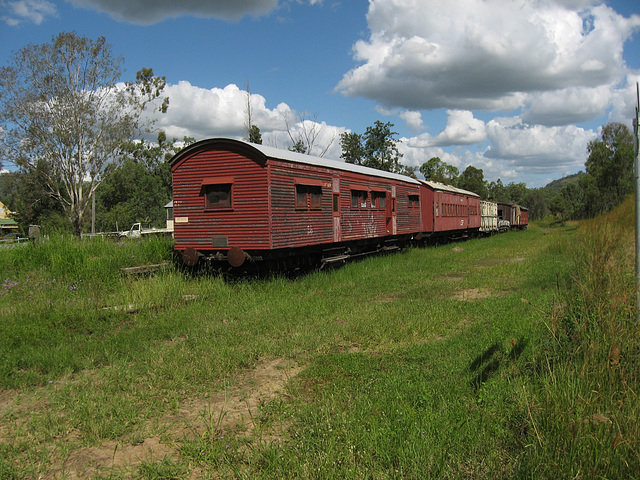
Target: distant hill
[[556, 185]]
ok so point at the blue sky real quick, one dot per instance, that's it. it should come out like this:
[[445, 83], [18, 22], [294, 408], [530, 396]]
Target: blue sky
[[515, 87]]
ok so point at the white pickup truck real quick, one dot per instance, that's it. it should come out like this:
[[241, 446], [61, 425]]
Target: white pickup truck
[[140, 229]]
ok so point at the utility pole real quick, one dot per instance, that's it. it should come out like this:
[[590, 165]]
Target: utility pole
[[636, 170]]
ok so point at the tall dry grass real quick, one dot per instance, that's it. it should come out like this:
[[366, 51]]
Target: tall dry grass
[[587, 409]]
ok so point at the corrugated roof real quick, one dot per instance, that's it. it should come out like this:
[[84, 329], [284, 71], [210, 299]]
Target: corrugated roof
[[277, 153], [448, 188], [5, 222], [324, 162]]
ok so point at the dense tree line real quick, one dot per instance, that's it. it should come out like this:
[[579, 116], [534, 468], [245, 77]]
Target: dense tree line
[[65, 119], [72, 130], [607, 181], [139, 188], [135, 190], [139, 185]]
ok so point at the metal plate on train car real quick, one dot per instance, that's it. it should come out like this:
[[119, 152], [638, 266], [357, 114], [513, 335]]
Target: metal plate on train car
[[220, 242]]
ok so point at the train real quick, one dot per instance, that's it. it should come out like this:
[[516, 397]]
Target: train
[[238, 205]]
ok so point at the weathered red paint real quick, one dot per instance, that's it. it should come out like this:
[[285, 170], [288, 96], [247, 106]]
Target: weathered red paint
[[516, 215], [236, 201], [448, 209], [264, 214]]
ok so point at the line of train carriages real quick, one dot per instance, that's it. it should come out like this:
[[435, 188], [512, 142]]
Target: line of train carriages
[[240, 206]]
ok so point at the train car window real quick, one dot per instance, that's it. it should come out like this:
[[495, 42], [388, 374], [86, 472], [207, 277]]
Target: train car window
[[414, 201], [308, 197], [358, 198], [217, 196], [378, 199], [301, 196], [315, 197]]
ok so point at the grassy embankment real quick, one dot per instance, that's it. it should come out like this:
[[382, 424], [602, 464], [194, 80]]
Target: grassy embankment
[[514, 356]]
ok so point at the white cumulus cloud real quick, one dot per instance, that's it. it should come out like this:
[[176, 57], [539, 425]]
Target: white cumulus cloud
[[486, 54], [16, 12], [222, 112], [568, 105], [517, 151], [539, 149], [204, 113], [412, 119], [462, 129]]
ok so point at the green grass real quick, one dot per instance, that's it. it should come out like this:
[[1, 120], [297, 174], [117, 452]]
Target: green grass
[[480, 359], [587, 407]]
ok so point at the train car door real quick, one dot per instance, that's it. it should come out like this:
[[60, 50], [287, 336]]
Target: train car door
[[392, 224], [337, 227]]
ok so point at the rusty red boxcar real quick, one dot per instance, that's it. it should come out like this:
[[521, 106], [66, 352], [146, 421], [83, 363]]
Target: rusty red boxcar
[[512, 216], [234, 201], [450, 210]]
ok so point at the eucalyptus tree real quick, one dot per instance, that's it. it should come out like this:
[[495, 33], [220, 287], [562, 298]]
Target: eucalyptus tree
[[138, 189], [472, 179], [251, 131], [62, 103], [305, 135], [436, 170], [376, 148], [609, 179]]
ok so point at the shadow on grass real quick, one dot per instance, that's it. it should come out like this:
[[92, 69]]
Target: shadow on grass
[[490, 360]]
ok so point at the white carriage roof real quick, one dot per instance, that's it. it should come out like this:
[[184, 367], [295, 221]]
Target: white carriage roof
[[279, 154], [324, 162], [448, 188]]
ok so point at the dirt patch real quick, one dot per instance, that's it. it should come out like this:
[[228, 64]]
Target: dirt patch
[[237, 406], [234, 409], [452, 278], [471, 294], [87, 462], [14, 405], [386, 299], [349, 348]]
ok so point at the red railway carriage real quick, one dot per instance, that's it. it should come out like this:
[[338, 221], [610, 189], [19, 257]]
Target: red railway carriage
[[234, 201], [524, 217], [450, 210], [512, 216]]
